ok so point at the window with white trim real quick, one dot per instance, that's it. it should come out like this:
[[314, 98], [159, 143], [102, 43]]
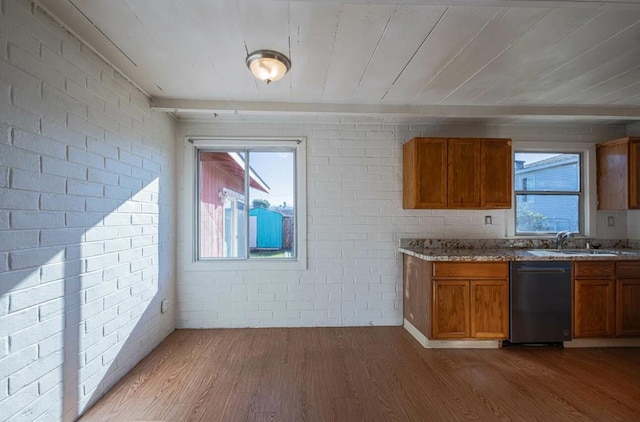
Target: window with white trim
[[548, 192], [249, 200]]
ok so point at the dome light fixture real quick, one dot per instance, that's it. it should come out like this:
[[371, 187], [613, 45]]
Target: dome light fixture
[[268, 65]]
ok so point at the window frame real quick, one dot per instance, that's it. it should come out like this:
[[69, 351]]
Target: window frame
[[193, 145], [581, 193]]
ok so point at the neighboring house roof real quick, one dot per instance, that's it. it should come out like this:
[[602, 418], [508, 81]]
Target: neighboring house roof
[[234, 163], [554, 161], [260, 210]]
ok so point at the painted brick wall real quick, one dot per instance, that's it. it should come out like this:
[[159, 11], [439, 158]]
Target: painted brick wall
[[355, 222], [86, 221]]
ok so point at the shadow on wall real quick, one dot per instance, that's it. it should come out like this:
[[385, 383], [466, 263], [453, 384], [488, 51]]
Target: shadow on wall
[[93, 289]]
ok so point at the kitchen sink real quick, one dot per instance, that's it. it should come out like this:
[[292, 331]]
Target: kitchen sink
[[573, 252]]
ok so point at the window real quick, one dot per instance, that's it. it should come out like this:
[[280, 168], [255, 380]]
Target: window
[[248, 196], [548, 191]]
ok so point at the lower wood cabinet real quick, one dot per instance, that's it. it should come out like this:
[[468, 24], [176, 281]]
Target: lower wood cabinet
[[470, 309], [416, 296], [470, 300], [489, 308], [628, 299], [606, 299], [457, 300], [594, 308], [628, 308], [451, 309]]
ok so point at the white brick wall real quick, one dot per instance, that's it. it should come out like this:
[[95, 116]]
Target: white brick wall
[[86, 221], [355, 221]]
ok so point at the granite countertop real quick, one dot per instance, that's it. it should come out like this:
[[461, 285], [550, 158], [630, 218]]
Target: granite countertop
[[430, 254]]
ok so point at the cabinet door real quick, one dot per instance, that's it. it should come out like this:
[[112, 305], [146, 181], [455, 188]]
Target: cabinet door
[[495, 173], [425, 173], [612, 167], [634, 174], [628, 307], [489, 308], [464, 173], [451, 309], [593, 311]]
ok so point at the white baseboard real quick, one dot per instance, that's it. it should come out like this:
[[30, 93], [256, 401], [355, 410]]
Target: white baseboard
[[495, 344], [415, 333], [602, 342], [450, 344]]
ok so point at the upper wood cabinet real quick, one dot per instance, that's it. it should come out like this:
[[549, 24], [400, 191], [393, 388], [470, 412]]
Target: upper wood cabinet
[[463, 173], [496, 173], [618, 163], [425, 173], [456, 173]]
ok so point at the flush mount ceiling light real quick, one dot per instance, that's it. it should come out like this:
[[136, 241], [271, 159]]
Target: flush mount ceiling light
[[267, 65]]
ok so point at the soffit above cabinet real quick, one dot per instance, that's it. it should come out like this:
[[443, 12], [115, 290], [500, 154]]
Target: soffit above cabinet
[[410, 60]]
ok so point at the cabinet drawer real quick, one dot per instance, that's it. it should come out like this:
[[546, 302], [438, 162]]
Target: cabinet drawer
[[473, 270], [594, 269], [629, 269]]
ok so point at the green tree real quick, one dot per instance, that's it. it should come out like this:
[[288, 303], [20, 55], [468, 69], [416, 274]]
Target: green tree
[[260, 203], [528, 220]]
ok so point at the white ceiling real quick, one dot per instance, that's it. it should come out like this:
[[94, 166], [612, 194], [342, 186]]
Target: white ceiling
[[500, 59]]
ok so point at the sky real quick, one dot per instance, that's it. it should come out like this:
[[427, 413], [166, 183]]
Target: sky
[[276, 170]]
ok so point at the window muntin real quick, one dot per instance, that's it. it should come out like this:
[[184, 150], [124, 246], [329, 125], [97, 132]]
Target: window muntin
[[548, 191], [246, 203]]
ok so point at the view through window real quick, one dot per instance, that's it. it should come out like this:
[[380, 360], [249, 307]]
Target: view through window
[[246, 203], [548, 192]]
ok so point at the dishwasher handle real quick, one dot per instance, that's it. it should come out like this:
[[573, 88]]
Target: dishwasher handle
[[542, 270]]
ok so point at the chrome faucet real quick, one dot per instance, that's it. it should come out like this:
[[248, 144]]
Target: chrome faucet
[[562, 236]]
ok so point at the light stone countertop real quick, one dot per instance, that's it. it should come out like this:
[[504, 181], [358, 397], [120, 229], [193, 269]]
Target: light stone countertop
[[508, 254]]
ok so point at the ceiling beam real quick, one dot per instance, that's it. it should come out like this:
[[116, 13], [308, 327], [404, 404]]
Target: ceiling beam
[[589, 4], [445, 111]]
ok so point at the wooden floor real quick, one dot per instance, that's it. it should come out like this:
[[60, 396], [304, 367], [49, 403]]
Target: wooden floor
[[370, 374]]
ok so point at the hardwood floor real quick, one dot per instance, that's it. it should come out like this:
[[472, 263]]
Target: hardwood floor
[[370, 374]]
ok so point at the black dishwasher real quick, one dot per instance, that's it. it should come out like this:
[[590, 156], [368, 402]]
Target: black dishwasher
[[540, 302]]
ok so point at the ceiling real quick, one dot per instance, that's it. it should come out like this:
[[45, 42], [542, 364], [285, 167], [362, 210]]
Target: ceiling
[[502, 60]]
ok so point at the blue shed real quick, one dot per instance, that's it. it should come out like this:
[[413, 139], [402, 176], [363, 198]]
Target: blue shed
[[268, 229]]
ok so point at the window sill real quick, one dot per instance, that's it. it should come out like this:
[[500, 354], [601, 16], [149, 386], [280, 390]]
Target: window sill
[[247, 265]]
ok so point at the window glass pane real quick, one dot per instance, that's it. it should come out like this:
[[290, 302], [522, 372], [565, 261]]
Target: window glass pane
[[272, 204], [547, 213], [222, 204], [547, 172], [225, 229]]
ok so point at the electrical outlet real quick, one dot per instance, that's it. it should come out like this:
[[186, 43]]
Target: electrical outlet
[[487, 220], [164, 306], [611, 221]]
